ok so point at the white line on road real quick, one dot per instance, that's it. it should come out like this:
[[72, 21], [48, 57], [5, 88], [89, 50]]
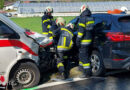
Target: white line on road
[[60, 82], [2, 87]]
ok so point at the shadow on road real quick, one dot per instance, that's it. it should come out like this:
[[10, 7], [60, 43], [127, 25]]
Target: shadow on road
[[113, 80]]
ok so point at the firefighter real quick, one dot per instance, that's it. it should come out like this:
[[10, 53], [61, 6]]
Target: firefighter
[[84, 39], [52, 34], [65, 43], [47, 19], [124, 10]]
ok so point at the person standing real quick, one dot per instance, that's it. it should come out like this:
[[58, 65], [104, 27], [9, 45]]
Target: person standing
[[47, 20], [84, 39]]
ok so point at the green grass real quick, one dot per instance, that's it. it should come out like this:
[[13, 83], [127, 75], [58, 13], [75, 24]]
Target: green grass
[[34, 23]]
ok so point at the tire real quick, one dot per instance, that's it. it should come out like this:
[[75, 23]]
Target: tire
[[97, 64], [24, 75]]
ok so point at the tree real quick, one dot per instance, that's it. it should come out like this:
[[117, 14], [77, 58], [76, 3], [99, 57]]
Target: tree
[[1, 4]]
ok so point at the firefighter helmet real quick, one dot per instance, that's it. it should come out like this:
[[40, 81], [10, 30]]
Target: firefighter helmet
[[124, 9], [49, 10], [60, 21], [83, 8]]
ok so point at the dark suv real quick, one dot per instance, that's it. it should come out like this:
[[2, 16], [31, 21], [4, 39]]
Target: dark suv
[[111, 43]]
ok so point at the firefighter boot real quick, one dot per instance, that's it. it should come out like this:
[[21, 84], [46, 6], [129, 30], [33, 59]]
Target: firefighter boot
[[86, 73], [59, 77]]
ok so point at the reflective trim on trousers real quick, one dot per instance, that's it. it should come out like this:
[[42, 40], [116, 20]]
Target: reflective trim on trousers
[[63, 49], [86, 67], [85, 43], [60, 65], [80, 34], [50, 32], [80, 63], [88, 40]]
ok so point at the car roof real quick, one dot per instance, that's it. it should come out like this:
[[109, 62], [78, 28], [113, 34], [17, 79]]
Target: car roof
[[107, 16]]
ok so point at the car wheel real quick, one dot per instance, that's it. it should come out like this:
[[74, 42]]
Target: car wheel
[[97, 64], [25, 75]]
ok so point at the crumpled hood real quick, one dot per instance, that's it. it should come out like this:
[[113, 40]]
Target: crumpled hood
[[42, 40]]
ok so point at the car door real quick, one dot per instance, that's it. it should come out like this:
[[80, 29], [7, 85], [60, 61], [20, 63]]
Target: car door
[[7, 50], [124, 23]]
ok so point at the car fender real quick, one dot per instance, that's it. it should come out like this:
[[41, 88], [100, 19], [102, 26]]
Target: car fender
[[15, 62]]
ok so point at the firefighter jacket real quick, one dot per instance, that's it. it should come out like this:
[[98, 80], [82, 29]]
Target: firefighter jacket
[[86, 24], [46, 23], [53, 32], [65, 42]]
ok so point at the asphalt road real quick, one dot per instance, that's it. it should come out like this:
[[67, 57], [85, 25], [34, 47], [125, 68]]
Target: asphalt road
[[112, 81]]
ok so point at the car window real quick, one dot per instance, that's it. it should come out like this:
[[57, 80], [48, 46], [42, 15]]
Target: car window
[[100, 24], [125, 23], [7, 32]]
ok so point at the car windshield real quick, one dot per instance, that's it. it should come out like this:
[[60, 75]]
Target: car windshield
[[125, 23]]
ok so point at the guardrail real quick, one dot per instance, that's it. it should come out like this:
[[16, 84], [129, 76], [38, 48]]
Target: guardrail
[[66, 7], [55, 14]]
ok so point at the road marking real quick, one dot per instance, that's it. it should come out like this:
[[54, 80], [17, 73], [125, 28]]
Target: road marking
[[60, 82], [2, 87]]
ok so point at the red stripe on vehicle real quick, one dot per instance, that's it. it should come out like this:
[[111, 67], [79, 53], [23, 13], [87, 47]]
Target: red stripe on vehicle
[[16, 43], [46, 44], [118, 59]]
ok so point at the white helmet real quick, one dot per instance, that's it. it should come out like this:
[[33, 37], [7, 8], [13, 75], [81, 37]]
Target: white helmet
[[60, 21], [124, 9], [49, 10], [83, 8], [70, 25]]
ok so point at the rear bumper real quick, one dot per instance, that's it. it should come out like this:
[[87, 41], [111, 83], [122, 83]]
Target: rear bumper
[[2, 87], [3, 81], [117, 64]]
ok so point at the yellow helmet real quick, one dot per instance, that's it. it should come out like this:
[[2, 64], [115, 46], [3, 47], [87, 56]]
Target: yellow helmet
[[60, 21], [49, 9], [83, 8]]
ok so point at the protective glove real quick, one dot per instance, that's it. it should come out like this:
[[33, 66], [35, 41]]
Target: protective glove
[[78, 42]]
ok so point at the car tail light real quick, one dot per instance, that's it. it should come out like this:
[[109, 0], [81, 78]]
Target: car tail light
[[2, 79], [118, 59], [115, 36], [127, 37]]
